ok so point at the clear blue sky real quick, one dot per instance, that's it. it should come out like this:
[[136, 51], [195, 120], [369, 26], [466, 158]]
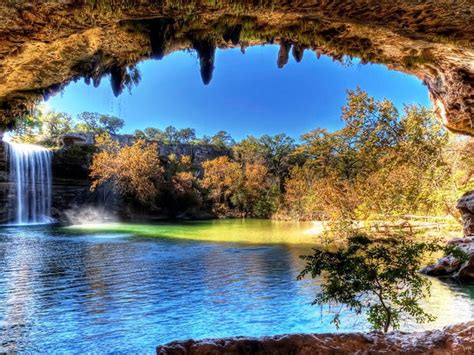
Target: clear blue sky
[[248, 93]]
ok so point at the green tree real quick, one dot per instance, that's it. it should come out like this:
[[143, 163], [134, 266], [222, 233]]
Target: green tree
[[379, 276], [43, 127], [153, 134], [249, 150], [186, 135], [139, 134], [222, 140], [54, 125], [276, 151], [99, 123]]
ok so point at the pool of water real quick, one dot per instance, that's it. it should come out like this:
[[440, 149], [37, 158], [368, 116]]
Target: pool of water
[[129, 288]]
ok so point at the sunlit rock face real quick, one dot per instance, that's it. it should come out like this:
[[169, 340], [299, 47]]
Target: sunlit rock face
[[466, 207], [45, 45], [454, 267], [456, 339]]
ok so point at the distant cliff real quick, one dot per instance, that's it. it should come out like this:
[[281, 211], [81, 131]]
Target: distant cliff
[[71, 183]]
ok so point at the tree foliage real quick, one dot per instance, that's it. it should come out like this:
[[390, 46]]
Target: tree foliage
[[377, 276], [132, 170], [236, 189], [98, 123], [380, 163], [43, 127], [46, 127]]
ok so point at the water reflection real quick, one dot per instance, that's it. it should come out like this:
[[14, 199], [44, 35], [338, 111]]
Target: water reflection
[[79, 292]]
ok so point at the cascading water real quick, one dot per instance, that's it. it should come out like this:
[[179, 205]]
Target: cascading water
[[30, 171]]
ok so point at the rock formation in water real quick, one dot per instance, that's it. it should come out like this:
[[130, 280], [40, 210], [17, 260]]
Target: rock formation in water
[[456, 339], [453, 266], [46, 44]]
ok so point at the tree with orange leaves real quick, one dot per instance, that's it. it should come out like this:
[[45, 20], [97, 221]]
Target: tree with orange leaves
[[133, 170]]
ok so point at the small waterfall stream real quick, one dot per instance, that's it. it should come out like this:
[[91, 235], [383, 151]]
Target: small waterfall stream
[[30, 171]]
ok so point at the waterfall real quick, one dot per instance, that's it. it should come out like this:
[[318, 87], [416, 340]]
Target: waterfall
[[30, 171]]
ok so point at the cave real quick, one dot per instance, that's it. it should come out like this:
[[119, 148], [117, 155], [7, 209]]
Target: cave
[[46, 45]]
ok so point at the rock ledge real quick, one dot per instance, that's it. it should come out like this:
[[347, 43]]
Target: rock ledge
[[455, 339]]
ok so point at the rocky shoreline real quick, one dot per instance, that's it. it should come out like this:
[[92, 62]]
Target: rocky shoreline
[[455, 339], [452, 266]]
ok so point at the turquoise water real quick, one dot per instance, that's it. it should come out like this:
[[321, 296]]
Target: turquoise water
[[128, 288]]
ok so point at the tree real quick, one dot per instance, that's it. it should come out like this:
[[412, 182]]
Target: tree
[[138, 133], [180, 190], [133, 170], [221, 178], [170, 135], [222, 140], [276, 151], [379, 276], [249, 150], [204, 140], [43, 127], [381, 162], [153, 134], [250, 189], [53, 126], [186, 135], [99, 123]]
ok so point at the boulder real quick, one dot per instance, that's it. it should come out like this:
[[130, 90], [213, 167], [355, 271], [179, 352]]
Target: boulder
[[453, 267]]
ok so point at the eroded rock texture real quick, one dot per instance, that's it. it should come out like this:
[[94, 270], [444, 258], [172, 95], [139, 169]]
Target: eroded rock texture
[[47, 43], [456, 339], [454, 266], [466, 207]]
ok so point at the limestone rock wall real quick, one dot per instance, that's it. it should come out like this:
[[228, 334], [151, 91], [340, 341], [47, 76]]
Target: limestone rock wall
[[5, 186], [466, 206], [71, 184]]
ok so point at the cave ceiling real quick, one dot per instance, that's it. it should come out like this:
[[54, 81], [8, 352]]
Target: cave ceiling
[[45, 44]]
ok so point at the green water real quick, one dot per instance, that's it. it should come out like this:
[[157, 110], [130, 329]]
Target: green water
[[252, 231]]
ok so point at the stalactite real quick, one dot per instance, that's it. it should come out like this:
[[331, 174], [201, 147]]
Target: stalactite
[[298, 51], [232, 34], [160, 34], [117, 78], [206, 49], [283, 53]]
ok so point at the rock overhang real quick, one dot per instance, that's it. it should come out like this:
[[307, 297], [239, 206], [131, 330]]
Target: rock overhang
[[45, 46]]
